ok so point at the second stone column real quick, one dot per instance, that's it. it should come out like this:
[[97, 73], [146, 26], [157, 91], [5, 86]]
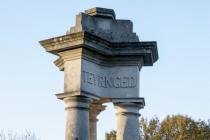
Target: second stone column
[[95, 109], [77, 125], [128, 120]]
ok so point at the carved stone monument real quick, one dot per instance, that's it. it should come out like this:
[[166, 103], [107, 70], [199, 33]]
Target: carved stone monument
[[101, 58]]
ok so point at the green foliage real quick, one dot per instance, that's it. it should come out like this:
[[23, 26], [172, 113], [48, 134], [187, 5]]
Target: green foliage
[[111, 135], [177, 127], [174, 128], [149, 130], [27, 135]]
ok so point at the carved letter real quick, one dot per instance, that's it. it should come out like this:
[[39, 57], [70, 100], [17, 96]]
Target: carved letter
[[117, 82], [90, 78], [109, 82], [102, 81], [125, 82]]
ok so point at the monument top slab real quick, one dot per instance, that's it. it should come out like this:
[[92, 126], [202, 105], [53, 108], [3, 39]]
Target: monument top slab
[[101, 12], [101, 22]]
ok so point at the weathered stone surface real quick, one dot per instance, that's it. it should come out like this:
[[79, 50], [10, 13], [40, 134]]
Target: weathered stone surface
[[101, 12], [95, 110], [101, 49], [127, 113], [110, 82], [102, 23], [77, 124]]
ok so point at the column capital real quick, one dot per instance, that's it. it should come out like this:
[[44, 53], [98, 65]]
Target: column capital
[[129, 100], [77, 102], [96, 109], [128, 106]]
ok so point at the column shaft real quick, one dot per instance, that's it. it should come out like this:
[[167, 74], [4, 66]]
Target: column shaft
[[95, 110], [77, 124], [127, 121], [93, 129]]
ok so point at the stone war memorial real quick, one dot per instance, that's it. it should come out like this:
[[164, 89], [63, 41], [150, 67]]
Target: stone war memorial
[[101, 58]]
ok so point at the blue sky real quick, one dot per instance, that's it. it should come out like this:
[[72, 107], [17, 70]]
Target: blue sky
[[179, 83]]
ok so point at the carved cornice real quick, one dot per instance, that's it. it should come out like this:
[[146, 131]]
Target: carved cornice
[[146, 50]]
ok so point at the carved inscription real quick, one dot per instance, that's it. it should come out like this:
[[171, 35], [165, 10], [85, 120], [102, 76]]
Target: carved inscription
[[108, 81]]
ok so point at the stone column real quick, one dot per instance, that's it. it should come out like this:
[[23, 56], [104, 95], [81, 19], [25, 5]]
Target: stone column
[[77, 124], [128, 120], [95, 110]]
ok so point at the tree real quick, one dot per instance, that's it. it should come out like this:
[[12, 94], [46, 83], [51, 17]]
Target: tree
[[176, 127], [27, 135], [111, 135], [149, 129]]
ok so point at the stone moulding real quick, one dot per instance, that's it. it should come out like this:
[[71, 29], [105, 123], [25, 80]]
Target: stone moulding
[[147, 50], [140, 101]]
